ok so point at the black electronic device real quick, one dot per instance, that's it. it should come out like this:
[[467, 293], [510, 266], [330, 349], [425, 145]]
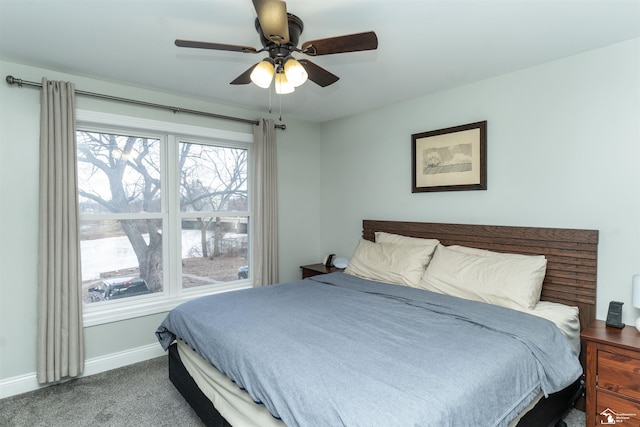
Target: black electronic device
[[328, 260], [614, 315]]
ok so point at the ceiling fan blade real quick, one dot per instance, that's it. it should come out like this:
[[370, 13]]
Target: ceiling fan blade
[[272, 15], [341, 44], [244, 78], [215, 46], [317, 74]]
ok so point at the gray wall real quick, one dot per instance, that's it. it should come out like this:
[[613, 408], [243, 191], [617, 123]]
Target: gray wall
[[563, 151], [298, 180]]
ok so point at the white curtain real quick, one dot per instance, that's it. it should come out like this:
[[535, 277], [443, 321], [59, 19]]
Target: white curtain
[[264, 224], [60, 341]]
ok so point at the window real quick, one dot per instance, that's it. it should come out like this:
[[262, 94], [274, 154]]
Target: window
[[215, 243], [164, 214]]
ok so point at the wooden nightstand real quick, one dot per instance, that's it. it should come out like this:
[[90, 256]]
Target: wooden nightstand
[[613, 375], [315, 269]]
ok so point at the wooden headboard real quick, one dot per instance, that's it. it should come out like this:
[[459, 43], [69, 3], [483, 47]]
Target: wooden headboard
[[572, 255]]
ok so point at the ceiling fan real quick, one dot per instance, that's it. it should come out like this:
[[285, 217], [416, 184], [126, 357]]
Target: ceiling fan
[[279, 34]]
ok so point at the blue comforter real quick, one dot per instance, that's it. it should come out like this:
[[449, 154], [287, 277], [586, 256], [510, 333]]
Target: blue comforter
[[337, 350]]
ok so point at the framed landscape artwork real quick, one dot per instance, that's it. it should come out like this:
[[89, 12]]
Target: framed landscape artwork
[[450, 159]]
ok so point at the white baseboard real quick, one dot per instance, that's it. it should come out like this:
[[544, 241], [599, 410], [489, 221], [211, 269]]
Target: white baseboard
[[28, 382]]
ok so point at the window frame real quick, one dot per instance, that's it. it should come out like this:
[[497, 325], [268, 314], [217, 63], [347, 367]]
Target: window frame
[[170, 136]]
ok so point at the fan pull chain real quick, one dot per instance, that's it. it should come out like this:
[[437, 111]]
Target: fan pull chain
[[270, 98]]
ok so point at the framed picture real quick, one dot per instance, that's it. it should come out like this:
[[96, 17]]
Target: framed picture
[[450, 159]]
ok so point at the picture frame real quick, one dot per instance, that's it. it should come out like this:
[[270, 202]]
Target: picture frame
[[450, 159]]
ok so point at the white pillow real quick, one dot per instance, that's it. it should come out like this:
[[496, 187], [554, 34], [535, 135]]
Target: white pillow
[[485, 252], [565, 318], [382, 237], [389, 262], [513, 282]]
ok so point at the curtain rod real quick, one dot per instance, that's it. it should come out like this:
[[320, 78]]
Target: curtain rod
[[12, 80]]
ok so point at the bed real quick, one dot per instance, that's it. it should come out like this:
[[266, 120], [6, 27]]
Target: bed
[[349, 395]]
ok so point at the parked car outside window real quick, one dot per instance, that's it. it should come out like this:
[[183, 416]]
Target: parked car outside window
[[120, 287], [243, 272]]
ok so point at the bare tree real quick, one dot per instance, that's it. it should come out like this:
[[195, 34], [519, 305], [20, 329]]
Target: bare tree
[[211, 179], [130, 165]]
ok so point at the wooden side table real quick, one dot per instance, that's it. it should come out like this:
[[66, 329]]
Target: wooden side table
[[315, 269], [613, 375]]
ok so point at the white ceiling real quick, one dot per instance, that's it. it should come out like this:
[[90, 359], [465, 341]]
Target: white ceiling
[[424, 46]]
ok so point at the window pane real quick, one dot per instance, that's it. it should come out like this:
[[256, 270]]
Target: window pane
[[120, 258], [118, 173], [214, 250], [212, 178]]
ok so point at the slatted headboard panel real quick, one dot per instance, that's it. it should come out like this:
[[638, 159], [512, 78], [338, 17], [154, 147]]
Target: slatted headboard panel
[[572, 255]]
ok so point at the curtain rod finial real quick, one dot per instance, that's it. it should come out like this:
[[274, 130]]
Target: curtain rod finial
[[13, 81]]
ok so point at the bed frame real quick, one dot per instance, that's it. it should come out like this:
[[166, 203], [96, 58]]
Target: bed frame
[[571, 254], [572, 257]]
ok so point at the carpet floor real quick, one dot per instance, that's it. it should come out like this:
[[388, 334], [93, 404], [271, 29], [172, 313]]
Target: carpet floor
[[135, 395]]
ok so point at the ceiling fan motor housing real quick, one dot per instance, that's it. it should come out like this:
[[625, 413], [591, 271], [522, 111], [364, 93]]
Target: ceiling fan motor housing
[[296, 26]]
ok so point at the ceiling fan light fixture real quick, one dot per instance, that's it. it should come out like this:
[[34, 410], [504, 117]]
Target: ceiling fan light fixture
[[295, 72], [279, 35], [282, 85], [262, 74]]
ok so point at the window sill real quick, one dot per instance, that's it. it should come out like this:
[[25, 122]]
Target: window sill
[[115, 311]]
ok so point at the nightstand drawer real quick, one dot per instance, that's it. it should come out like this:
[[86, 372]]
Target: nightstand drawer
[[619, 373], [620, 411], [612, 375]]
